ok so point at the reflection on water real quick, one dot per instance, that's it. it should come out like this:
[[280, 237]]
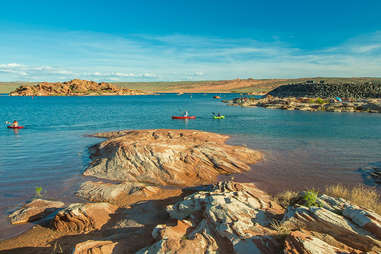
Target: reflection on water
[[301, 148]]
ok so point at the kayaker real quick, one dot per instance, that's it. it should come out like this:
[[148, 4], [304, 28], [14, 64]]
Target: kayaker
[[218, 114], [15, 124]]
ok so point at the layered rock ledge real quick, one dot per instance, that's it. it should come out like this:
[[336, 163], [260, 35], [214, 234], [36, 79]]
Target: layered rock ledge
[[167, 157], [75, 87]]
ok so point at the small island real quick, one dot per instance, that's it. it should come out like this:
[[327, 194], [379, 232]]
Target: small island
[[75, 87], [319, 96]]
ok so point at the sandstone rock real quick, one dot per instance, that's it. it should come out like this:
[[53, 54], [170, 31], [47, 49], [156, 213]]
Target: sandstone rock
[[230, 216], [79, 217], [168, 157], [95, 247], [73, 87], [301, 243], [34, 210], [366, 219], [311, 104], [328, 220], [123, 194]]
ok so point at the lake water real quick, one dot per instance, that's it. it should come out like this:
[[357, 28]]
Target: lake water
[[302, 149]]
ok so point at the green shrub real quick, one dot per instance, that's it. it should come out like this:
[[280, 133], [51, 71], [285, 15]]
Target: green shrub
[[310, 198], [38, 191], [319, 101]]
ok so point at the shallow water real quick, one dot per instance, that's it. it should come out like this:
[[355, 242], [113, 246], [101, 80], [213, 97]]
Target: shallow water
[[301, 148]]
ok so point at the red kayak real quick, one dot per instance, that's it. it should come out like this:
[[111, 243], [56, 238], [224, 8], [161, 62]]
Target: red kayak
[[183, 117], [15, 127]]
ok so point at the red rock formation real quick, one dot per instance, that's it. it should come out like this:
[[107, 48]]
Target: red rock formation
[[123, 194], [83, 217], [73, 87], [168, 157], [228, 218], [34, 210], [95, 247]]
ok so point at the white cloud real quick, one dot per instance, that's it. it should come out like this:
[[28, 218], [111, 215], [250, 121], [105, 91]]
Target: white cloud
[[102, 57]]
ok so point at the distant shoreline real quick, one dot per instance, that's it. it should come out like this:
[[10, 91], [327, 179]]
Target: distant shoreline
[[254, 86]]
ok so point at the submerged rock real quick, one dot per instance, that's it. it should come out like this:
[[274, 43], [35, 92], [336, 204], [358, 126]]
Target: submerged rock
[[34, 210], [168, 157]]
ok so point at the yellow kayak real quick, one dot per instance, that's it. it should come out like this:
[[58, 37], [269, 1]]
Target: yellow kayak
[[218, 117]]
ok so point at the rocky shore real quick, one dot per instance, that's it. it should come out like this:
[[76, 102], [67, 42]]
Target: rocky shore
[[311, 96], [159, 195], [75, 87], [311, 104]]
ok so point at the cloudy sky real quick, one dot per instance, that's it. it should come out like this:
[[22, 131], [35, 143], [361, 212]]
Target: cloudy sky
[[146, 40]]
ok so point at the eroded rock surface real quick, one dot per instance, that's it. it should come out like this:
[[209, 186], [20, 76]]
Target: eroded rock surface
[[349, 224], [34, 210], [230, 217], [95, 247], [123, 194], [302, 243], [79, 217], [168, 157]]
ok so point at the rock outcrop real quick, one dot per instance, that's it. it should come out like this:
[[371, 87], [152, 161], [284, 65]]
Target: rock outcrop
[[95, 247], [356, 228], [34, 210], [228, 218], [304, 243], [123, 194], [79, 217], [311, 104], [167, 157], [75, 87]]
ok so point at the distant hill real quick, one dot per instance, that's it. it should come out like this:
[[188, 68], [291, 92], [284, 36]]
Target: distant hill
[[256, 86], [75, 87]]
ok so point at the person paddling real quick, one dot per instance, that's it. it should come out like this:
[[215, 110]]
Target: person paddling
[[186, 114], [14, 124]]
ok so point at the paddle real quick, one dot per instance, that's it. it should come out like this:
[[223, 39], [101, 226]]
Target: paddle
[[6, 122]]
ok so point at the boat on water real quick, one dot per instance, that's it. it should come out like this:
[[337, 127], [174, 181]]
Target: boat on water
[[218, 117], [15, 127], [183, 117]]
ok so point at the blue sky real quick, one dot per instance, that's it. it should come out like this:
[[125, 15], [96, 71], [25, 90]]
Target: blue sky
[[146, 40]]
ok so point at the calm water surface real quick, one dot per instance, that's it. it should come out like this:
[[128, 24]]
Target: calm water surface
[[301, 148]]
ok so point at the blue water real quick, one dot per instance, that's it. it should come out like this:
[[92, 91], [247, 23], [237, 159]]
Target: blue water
[[301, 148]]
